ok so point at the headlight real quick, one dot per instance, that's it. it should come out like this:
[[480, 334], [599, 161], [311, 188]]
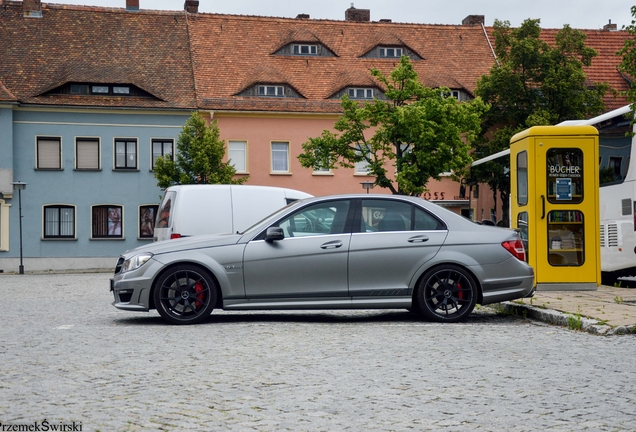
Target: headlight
[[133, 263]]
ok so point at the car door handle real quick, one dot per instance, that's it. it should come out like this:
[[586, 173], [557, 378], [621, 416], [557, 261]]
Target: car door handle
[[331, 245], [418, 239]]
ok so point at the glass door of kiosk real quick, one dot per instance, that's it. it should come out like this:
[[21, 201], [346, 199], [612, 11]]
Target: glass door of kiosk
[[562, 194]]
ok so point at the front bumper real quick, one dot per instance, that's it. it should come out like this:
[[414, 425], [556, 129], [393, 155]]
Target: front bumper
[[132, 290]]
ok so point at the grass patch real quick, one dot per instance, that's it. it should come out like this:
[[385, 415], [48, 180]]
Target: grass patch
[[575, 322]]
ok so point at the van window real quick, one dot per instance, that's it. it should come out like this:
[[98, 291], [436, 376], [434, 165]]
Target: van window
[[164, 219]]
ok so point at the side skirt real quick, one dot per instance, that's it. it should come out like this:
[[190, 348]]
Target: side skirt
[[321, 303]]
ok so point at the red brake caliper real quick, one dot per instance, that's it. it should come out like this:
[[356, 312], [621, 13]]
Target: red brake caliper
[[460, 294], [198, 288]]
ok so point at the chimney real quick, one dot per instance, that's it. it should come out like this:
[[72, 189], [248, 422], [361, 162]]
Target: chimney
[[302, 16], [191, 6], [132, 5], [358, 15], [610, 27], [32, 8], [474, 20]]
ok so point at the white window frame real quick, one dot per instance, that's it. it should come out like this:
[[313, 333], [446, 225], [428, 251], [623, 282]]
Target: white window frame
[[49, 142], [353, 92], [279, 169], [100, 89], [95, 163], [362, 167], [59, 236], [163, 142], [279, 91], [237, 155], [4, 226], [312, 49], [126, 167], [121, 90], [397, 52]]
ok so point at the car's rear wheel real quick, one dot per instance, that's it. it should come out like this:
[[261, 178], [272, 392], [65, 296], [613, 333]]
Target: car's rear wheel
[[446, 294], [185, 294]]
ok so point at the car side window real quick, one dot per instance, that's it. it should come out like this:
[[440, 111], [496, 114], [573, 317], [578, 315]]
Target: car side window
[[424, 221], [386, 215], [319, 219]]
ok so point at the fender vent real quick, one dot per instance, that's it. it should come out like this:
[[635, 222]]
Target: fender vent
[[120, 263], [602, 236], [612, 235]]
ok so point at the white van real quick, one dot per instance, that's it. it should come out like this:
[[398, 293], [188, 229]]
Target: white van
[[188, 210]]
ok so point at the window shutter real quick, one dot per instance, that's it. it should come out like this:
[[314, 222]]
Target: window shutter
[[49, 154], [87, 154]]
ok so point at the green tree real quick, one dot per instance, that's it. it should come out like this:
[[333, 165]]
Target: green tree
[[532, 84], [199, 157], [419, 131], [628, 62]]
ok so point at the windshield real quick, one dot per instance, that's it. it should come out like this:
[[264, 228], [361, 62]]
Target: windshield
[[164, 219]]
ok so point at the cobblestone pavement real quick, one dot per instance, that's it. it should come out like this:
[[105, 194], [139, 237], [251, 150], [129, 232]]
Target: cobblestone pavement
[[67, 355]]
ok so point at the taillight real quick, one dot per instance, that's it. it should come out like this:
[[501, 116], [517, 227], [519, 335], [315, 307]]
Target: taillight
[[175, 236], [515, 247]]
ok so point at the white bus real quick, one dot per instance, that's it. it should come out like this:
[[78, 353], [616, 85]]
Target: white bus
[[617, 195]]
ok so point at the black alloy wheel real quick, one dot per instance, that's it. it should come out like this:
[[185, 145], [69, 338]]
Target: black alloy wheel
[[446, 294], [185, 294]]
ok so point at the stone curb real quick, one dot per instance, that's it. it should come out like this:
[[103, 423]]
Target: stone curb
[[564, 319]]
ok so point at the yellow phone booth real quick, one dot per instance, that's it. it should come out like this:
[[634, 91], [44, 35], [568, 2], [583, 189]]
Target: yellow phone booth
[[554, 199]]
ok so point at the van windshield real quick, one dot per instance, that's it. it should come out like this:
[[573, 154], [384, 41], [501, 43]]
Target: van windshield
[[272, 216], [164, 219]]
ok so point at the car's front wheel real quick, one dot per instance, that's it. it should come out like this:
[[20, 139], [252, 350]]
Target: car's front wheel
[[446, 294], [185, 294]]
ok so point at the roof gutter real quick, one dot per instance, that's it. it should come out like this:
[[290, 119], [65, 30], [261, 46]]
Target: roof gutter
[[492, 50]]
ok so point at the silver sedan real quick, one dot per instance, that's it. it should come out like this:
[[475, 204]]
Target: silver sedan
[[333, 252]]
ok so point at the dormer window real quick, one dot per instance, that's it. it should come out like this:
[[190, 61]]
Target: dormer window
[[99, 90], [271, 90], [360, 93], [390, 52], [301, 49]]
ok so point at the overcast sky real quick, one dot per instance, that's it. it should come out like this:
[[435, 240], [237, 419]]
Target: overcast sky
[[588, 14]]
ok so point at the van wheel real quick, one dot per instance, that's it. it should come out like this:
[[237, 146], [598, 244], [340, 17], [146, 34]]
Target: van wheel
[[446, 294], [185, 295]]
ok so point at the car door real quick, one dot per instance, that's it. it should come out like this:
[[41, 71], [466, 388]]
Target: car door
[[394, 239], [311, 261]]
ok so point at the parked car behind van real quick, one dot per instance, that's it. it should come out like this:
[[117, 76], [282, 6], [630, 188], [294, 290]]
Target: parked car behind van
[[188, 210]]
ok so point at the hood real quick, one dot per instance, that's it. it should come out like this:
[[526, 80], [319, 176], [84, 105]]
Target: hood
[[186, 243]]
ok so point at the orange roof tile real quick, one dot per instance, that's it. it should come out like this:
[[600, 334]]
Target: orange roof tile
[[232, 52], [96, 45]]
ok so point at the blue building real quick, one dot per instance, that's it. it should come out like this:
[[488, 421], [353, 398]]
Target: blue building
[[83, 116]]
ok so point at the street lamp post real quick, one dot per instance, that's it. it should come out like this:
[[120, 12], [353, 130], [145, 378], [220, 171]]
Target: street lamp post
[[367, 185], [19, 186]]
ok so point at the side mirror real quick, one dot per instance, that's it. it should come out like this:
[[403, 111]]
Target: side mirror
[[274, 234]]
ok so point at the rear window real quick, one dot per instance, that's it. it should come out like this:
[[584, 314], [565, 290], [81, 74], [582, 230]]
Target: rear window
[[164, 219]]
